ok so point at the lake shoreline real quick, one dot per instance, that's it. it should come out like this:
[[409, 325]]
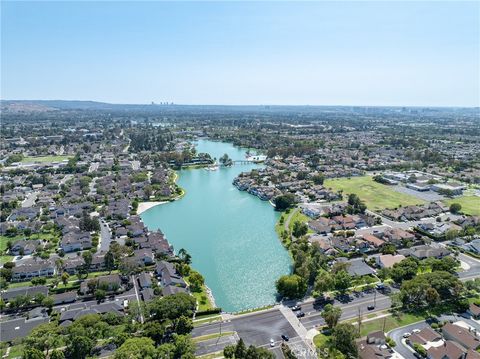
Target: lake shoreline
[[144, 206]]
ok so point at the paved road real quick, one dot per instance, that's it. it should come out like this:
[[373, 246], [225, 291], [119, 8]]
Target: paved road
[[289, 218], [215, 344], [258, 328], [350, 309], [105, 237], [29, 201], [473, 271]]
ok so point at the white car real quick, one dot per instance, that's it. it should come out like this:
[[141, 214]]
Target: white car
[[406, 335], [272, 342], [416, 331]]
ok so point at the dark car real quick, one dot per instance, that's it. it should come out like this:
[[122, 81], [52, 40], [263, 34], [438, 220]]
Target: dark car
[[296, 307], [371, 307], [285, 337], [300, 314]]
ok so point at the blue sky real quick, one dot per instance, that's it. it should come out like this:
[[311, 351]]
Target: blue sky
[[317, 53]]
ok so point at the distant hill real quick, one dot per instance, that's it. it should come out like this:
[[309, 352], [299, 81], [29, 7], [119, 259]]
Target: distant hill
[[24, 107], [57, 104]]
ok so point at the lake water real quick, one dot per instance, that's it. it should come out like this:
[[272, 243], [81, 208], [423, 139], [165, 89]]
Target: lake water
[[230, 234]]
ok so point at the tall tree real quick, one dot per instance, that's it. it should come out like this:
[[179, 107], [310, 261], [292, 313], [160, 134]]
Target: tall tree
[[331, 315]]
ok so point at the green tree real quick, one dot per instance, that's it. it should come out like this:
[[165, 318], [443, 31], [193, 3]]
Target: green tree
[[79, 347], [184, 256], [196, 281], [44, 337], [109, 261], [100, 295], [65, 278], [318, 179], [291, 286], [155, 330], [240, 349], [283, 202], [57, 354], [331, 315], [343, 339], [172, 307], [136, 348], [229, 351], [343, 280], [166, 351], [184, 347], [183, 325], [299, 229], [455, 208], [32, 353], [432, 297]]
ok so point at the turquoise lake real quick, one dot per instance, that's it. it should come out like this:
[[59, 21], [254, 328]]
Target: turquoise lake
[[230, 234]]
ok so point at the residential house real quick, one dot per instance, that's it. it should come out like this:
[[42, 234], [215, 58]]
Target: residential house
[[15, 329], [168, 275], [426, 337], [373, 240], [388, 260], [24, 247], [9, 294], [76, 241], [474, 311], [465, 337], [449, 350], [425, 251], [33, 268]]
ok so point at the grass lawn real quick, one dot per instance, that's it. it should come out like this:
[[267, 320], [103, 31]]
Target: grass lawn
[[72, 280], [4, 240], [320, 340], [15, 352], [206, 320], [45, 159], [470, 204], [377, 196], [391, 322], [202, 298], [211, 336], [49, 236], [211, 356], [5, 259]]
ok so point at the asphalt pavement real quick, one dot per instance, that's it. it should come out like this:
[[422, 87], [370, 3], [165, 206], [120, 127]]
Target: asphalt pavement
[[259, 327]]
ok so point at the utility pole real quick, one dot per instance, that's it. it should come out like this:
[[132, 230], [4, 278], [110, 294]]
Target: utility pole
[[374, 298], [220, 334], [359, 321]]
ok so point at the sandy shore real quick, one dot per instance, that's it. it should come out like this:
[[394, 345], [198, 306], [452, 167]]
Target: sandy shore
[[143, 206]]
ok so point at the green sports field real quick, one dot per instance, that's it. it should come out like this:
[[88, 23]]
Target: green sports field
[[470, 204], [377, 196], [45, 159]]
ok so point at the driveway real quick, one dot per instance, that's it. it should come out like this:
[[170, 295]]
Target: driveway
[[29, 201], [404, 349], [105, 237]]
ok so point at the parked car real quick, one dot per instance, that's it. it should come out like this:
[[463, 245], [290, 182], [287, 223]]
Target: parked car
[[416, 331], [406, 335], [296, 307], [285, 337], [371, 307], [300, 314], [272, 342]]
